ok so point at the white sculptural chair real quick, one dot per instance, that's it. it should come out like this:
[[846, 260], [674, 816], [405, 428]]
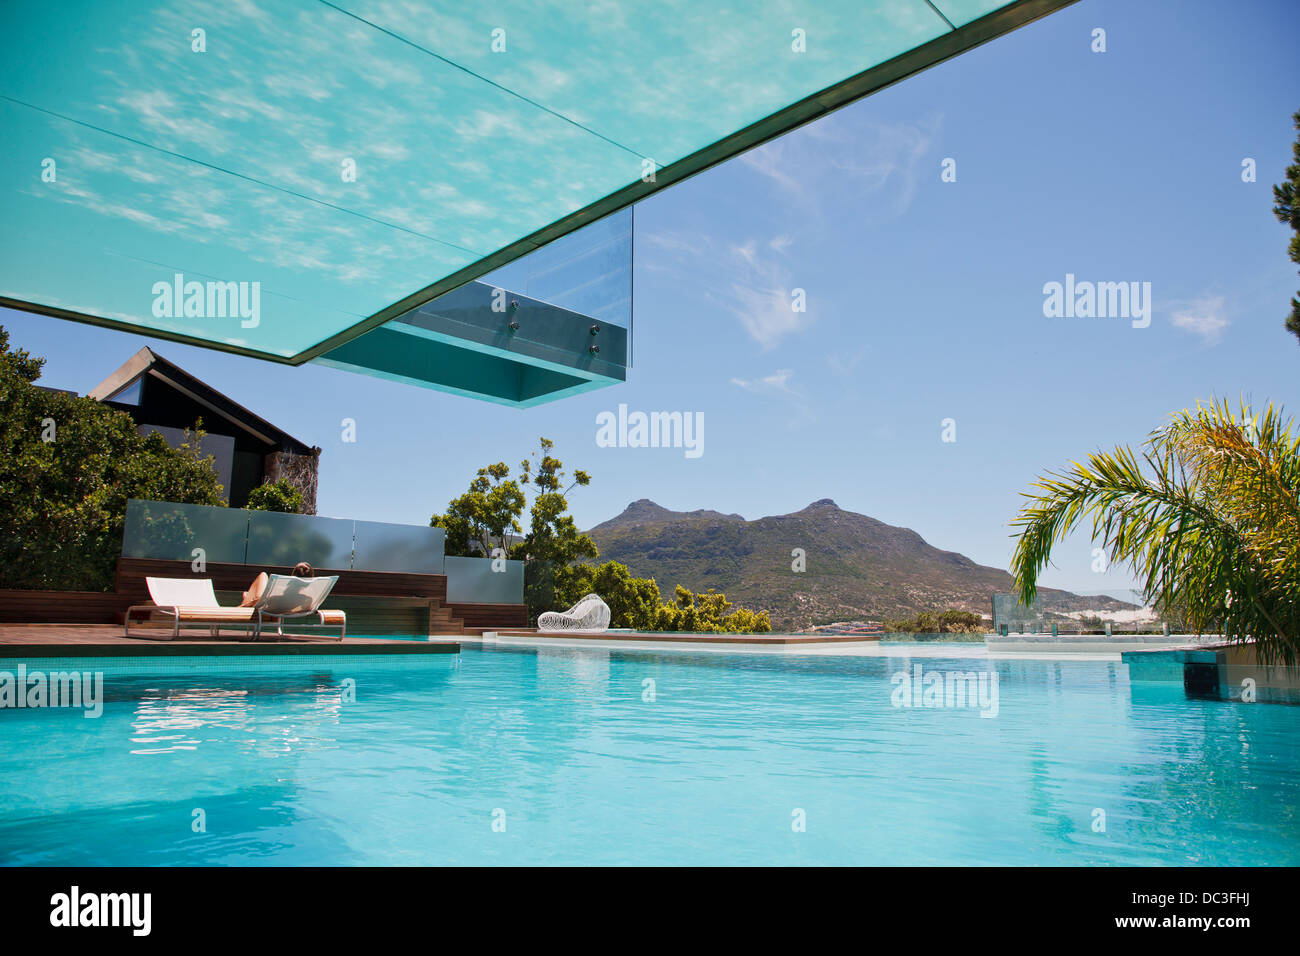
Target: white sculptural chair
[[589, 615]]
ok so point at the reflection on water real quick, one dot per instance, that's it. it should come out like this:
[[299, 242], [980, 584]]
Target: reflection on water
[[589, 768], [170, 718], [575, 670], [162, 721]]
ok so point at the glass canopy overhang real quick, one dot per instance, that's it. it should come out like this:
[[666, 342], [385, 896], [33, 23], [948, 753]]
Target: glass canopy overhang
[[301, 179], [530, 352]]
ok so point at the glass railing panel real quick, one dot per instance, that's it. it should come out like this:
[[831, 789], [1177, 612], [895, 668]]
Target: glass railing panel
[[473, 581], [410, 549], [283, 540], [588, 271], [165, 530]]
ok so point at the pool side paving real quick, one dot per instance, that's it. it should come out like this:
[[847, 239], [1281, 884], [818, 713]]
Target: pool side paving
[[90, 640], [1077, 647], [683, 637]]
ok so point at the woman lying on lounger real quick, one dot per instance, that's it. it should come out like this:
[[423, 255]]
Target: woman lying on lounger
[[300, 570], [271, 600]]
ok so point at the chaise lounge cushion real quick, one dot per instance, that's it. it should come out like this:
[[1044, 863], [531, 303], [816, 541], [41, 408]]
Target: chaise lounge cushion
[[213, 613]]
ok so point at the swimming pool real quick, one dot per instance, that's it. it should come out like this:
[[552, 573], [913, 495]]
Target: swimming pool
[[592, 756]]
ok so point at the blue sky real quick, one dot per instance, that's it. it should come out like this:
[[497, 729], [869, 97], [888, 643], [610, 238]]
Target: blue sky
[[924, 298]]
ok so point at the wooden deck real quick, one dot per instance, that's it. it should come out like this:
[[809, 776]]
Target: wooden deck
[[381, 603], [107, 640]]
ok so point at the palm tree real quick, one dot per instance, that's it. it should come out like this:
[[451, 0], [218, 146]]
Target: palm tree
[[1211, 524]]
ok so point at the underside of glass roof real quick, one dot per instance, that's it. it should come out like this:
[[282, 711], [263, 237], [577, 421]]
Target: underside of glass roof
[[300, 179]]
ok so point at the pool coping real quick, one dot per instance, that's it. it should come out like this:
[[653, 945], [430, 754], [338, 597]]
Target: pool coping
[[193, 649], [1216, 671], [681, 637]]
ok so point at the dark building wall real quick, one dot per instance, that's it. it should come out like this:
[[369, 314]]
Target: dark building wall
[[244, 461], [245, 476], [172, 412], [162, 405]]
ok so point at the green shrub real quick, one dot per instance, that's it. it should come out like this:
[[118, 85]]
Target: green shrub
[[635, 602], [67, 467], [632, 601], [282, 496], [707, 612], [944, 622]]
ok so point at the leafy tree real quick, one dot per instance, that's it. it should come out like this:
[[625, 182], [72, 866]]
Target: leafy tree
[[707, 612], [482, 516], [633, 602], [282, 495], [487, 516], [1287, 210], [553, 541], [960, 622], [67, 467], [552, 535], [1211, 524], [945, 622]]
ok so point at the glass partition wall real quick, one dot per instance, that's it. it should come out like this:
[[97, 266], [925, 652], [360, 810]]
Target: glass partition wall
[[177, 532]]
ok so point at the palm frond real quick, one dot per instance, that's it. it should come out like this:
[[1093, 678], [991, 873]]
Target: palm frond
[[1207, 517]]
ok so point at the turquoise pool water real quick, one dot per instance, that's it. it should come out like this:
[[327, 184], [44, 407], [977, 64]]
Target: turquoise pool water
[[575, 761]]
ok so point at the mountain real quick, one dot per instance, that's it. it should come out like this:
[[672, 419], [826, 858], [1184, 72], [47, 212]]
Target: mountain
[[857, 567], [643, 511]]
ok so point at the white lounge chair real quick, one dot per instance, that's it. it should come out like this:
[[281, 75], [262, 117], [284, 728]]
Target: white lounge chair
[[289, 597], [192, 601], [187, 601], [590, 615]]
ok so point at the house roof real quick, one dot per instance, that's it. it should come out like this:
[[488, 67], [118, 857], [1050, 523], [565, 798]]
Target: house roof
[[147, 362]]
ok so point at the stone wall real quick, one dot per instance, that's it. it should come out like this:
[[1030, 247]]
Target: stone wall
[[302, 471]]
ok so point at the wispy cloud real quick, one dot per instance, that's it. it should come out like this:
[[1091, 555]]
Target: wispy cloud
[[756, 279], [778, 386], [753, 279], [864, 158], [842, 364], [1203, 317], [765, 312], [763, 291], [778, 381]]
